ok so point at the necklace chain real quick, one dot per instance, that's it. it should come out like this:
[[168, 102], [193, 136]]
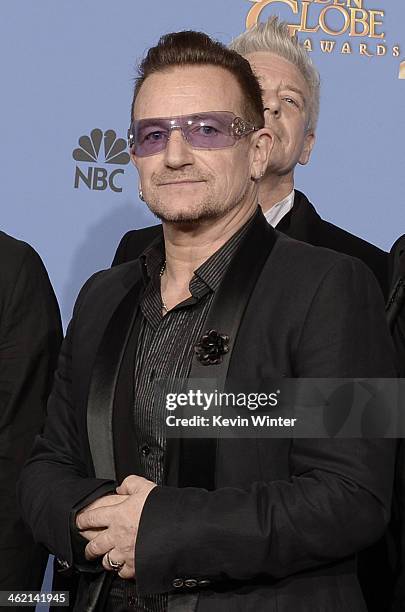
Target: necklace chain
[[162, 271]]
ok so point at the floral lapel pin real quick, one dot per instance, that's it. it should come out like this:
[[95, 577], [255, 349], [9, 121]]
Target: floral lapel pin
[[211, 347]]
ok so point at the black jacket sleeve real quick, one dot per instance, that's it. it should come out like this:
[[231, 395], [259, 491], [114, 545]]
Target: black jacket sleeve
[[57, 460], [30, 336]]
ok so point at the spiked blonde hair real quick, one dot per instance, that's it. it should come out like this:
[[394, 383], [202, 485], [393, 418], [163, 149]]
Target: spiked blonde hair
[[274, 36]]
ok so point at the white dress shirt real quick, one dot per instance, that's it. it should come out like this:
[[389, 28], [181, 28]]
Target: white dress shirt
[[279, 210]]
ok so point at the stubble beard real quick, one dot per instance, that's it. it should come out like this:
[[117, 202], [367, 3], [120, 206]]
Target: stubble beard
[[207, 209]]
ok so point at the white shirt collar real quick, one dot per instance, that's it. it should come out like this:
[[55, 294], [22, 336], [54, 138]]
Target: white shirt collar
[[279, 210]]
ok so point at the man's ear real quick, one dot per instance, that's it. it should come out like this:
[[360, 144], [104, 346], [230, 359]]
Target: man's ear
[[133, 159], [309, 141], [262, 143]]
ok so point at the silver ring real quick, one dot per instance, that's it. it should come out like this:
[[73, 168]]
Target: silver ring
[[113, 564]]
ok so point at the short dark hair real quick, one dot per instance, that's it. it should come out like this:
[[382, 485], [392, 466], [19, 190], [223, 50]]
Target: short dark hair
[[189, 48]]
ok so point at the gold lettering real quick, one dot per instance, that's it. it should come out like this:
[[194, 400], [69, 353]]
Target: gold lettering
[[304, 17], [357, 3], [374, 23], [359, 16], [324, 25], [381, 49], [401, 70], [321, 1], [308, 44], [255, 12], [346, 48], [327, 46], [363, 50], [337, 3], [396, 52]]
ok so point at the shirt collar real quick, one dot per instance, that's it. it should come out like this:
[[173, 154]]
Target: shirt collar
[[279, 210], [208, 276]]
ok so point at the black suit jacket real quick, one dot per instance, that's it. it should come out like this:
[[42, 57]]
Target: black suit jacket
[[396, 304], [280, 528], [302, 223], [396, 312], [30, 336]]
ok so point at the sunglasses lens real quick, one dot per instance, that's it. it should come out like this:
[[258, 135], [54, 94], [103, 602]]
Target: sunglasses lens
[[150, 136], [202, 131], [210, 130]]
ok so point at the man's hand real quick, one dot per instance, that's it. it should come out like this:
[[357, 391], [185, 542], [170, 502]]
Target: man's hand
[[101, 502], [116, 524]]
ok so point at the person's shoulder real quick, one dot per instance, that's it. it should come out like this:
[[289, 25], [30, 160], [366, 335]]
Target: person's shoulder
[[398, 248], [12, 247], [134, 242], [326, 234], [303, 264], [17, 255], [335, 237], [355, 245], [305, 254], [397, 259], [105, 285], [109, 277]]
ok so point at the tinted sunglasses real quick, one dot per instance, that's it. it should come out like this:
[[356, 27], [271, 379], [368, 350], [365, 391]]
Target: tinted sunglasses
[[212, 130]]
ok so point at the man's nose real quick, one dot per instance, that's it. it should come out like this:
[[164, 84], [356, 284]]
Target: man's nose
[[178, 152], [273, 107]]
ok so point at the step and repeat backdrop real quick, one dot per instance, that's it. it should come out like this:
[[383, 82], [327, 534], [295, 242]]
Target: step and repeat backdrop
[[67, 73]]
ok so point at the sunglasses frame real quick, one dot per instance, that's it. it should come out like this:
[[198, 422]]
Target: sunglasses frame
[[238, 128]]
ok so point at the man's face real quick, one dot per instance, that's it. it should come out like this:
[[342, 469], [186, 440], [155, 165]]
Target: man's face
[[180, 183], [286, 95]]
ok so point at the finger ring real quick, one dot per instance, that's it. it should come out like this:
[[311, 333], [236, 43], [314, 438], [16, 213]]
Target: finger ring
[[113, 564]]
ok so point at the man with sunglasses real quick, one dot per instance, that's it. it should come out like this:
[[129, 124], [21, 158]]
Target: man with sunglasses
[[291, 94], [208, 524]]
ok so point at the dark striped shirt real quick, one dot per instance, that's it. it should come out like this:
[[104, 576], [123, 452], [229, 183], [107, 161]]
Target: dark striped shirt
[[165, 351]]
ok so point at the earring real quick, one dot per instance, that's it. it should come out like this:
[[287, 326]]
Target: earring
[[140, 194], [256, 179]]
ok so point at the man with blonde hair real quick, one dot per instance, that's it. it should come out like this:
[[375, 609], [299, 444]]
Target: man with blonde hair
[[291, 93]]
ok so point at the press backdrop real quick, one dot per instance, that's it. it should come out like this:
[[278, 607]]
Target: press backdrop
[[67, 70]]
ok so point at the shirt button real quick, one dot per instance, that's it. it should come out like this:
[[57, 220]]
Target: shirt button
[[190, 583], [145, 450], [178, 583], [203, 583]]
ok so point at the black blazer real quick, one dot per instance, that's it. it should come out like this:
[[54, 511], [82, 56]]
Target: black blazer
[[396, 309], [280, 528], [30, 336], [302, 223], [396, 304]]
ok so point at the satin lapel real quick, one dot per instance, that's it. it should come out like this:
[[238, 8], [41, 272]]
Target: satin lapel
[[197, 456], [103, 382]]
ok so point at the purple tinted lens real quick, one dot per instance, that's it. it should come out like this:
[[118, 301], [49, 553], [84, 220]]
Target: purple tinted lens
[[202, 131], [210, 130], [150, 136]]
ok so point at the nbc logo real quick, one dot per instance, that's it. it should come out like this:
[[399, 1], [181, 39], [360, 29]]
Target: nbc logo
[[114, 150]]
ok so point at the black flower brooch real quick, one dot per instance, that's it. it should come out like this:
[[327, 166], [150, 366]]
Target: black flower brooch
[[211, 347]]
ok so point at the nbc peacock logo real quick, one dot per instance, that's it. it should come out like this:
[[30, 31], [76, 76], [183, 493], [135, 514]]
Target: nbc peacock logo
[[108, 146]]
